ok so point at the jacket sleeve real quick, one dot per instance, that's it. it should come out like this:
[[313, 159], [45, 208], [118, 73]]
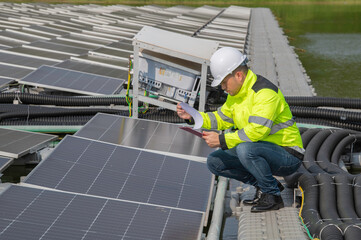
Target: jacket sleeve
[[218, 120], [262, 116]]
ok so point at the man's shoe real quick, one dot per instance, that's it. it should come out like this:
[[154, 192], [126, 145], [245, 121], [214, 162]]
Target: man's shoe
[[258, 195], [268, 202]]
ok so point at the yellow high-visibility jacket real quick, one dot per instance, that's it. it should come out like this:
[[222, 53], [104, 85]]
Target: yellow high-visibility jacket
[[259, 112]]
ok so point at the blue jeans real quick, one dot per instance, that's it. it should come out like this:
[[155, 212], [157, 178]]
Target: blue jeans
[[254, 163]]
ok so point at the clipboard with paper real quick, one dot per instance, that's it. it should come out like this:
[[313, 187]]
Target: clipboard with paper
[[198, 120]]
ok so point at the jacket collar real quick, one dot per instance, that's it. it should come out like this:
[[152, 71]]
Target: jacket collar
[[248, 83]]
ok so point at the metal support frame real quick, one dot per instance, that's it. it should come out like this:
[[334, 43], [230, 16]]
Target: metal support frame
[[157, 40]]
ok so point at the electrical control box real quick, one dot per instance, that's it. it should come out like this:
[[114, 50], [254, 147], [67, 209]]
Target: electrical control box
[[172, 67], [168, 77]]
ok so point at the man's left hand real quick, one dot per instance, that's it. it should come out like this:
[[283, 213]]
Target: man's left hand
[[212, 139]]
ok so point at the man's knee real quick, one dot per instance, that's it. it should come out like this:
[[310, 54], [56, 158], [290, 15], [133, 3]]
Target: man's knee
[[213, 164], [244, 150]]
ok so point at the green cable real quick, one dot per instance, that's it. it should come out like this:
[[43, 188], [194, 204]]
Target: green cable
[[308, 232]]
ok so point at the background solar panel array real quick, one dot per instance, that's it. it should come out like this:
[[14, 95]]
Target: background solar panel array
[[4, 163], [33, 214], [96, 168], [145, 134], [14, 143], [73, 81], [88, 29], [5, 81]]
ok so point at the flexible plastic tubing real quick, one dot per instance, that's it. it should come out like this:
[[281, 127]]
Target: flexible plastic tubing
[[60, 112], [327, 193], [309, 160], [335, 158], [307, 135], [345, 204], [51, 121], [163, 115], [310, 213], [302, 130], [328, 208], [310, 112], [331, 123], [324, 101], [325, 152], [28, 98], [292, 180], [37, 115], [357, 195]]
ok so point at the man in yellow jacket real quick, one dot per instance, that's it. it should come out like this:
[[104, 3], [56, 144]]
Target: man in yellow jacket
[[266, 140]]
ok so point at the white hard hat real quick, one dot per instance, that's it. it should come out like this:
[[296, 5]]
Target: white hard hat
[[223, 62]]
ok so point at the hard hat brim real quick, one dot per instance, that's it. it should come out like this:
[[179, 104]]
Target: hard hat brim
[[216, 82]]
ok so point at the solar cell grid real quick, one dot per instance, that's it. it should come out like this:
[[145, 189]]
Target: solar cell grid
[[93, 68], [145, 134], [14, 143], [97, 168], [73, 81], [30, 213], [4, 163], [5, 81]]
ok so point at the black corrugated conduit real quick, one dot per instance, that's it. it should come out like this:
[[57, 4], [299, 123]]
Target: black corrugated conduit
[[357, 194], [50, 121], [38, 99], [163, 115], [54, 112], [330, 114], [13, 114], [330, 123], [307, 135], [328, 208], [345, 204], [339, 149], [309, 212], [325, 152], [309, 160], [324, 102], [324, 148]]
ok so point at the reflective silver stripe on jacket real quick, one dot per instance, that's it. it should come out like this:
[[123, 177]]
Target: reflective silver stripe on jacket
[[261, 121], [298, 149], [243, 136], [224, 117], [212, 117], [283, 125]]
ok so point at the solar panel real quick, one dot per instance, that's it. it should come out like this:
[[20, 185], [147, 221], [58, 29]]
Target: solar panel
[[144, 134], [91, 167], [31, 213], [4, 163], [24, 60], [58, 47], [73, 81], [15, 143], [93, 68], [39, 53], [5, 81]]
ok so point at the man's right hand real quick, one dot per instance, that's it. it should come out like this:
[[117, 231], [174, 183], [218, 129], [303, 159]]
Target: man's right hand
[[182, 114]]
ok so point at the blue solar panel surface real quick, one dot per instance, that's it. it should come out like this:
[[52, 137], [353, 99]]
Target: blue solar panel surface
[[144, 134], [33, 214], [73, 81], [97, 168], [5, 81]]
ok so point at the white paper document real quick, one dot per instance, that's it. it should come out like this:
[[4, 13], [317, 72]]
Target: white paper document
[[197, 117]]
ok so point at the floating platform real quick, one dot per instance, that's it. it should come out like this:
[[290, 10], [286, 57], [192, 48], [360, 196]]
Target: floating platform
[[92, 44]]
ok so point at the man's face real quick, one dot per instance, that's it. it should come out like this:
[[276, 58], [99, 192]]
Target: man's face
[[233, 83]]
